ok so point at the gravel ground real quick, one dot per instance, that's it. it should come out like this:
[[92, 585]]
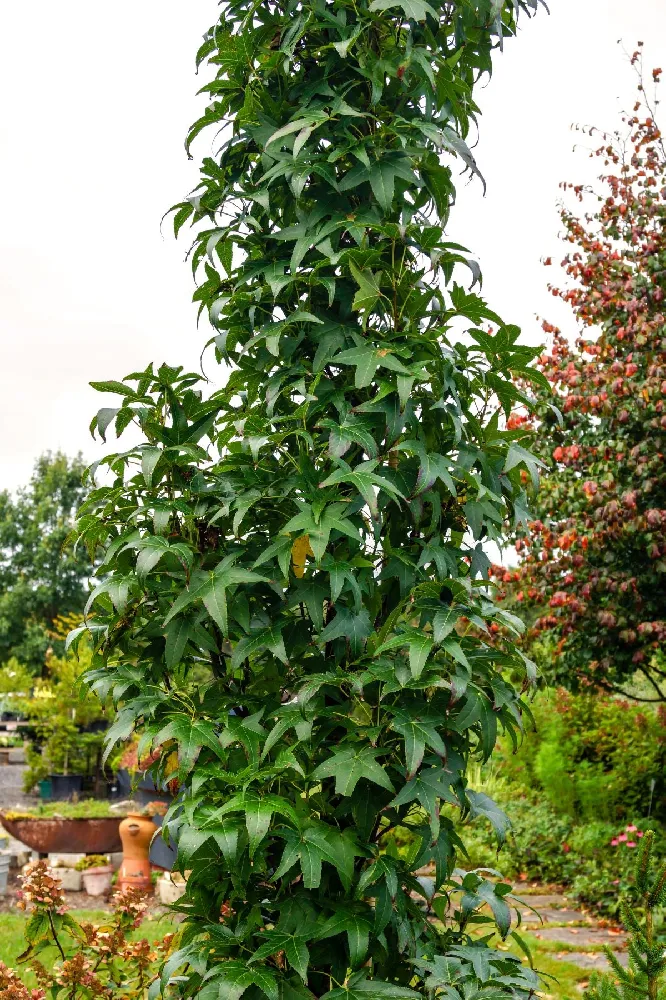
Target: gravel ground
[[74, 900]]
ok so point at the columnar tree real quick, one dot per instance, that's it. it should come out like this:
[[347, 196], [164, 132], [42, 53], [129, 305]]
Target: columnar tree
[[295, 615], [594, 563]]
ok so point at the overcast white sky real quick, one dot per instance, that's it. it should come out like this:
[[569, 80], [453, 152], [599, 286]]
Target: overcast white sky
[[96, 99]]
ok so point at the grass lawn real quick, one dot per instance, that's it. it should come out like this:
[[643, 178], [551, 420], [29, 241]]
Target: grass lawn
[[564, 984], [562, 980], [12, 943], [566, 980]]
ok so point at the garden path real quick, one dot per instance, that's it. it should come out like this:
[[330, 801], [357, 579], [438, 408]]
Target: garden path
[[555, 930], [558, 923]]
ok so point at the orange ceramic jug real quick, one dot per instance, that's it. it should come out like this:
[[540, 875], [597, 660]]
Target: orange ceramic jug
[[136, 833]]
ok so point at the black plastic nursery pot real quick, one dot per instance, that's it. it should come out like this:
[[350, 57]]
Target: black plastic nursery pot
[[162, 855], [64, 786], [146, 791], [98, 726]]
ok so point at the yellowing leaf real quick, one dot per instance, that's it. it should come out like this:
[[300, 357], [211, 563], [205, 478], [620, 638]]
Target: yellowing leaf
[[299, 550], [171, 765]]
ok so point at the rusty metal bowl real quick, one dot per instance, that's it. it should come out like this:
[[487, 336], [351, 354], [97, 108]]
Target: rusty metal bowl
[[47, 835]]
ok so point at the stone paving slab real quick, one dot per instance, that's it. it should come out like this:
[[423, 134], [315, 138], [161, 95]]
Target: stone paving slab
[[582, 936], [592, 960], [550, 900], [549, 915], [553, 908]]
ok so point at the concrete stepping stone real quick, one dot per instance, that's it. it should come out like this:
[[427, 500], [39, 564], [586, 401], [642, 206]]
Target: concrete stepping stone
[[554, 908], [545, 900], [550, 915], [582, 936], [592, 960]]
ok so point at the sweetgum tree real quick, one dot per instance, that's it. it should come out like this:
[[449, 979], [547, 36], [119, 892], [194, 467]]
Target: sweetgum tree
[[294, 614], [593, 565]]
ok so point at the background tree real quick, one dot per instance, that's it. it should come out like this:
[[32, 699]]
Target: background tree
[[593, 563], [39, 578], [312, 533]]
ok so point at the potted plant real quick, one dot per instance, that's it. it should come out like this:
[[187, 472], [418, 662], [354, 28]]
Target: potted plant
[[60, 751], [85, 827], [69, 729], [162, 854], [170, 887], [69, 876], [45, 789], [97, 874], [135, 779], [66, 758]]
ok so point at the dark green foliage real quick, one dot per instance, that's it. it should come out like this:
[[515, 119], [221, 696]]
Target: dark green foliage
[[535, 847], [647, 960], [605, 876], [39, 579], [580, 794], [594, 757], [63, 749], [596, 869], [307, 542]]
